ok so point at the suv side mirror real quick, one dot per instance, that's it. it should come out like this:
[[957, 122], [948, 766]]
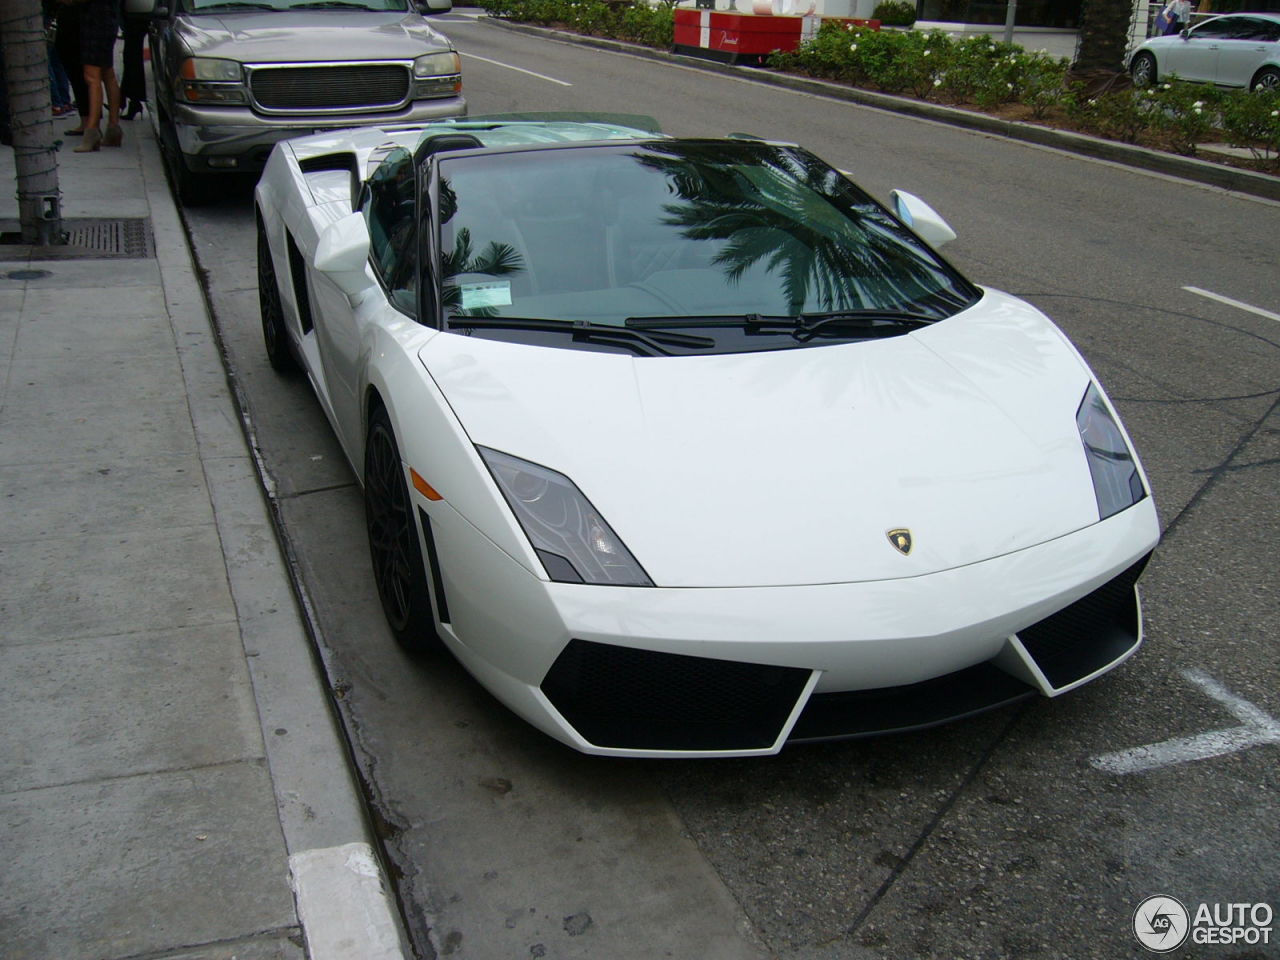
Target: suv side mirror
[[343, 252], [923, 219], [145, 8]]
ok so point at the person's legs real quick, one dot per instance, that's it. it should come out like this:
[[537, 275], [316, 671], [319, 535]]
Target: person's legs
[[133, 84], [114, 135], [93, 82], [59, 87], [98, 29], [67, 43], [92, 135]]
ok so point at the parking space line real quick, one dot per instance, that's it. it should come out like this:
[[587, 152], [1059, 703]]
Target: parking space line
[[1233, 303], [499, 63], [1259, 728]]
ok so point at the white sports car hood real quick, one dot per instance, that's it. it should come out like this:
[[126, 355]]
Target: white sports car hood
[[791, 466]]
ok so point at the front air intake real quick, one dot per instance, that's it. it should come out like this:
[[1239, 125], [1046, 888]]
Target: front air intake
[[1094, 632], [641, 700]]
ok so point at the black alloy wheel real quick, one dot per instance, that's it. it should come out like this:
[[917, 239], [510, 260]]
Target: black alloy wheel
[[1143, 70], [398, 569], [274, 336]]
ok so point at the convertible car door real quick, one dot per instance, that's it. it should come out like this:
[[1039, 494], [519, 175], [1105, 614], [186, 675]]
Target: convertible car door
[[389, 210]]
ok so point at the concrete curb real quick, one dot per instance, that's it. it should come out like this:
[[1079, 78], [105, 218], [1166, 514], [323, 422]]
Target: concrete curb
[[339, 886], [1188, 168]]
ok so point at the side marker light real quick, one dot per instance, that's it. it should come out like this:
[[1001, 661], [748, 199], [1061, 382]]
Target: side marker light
[[424, 488]]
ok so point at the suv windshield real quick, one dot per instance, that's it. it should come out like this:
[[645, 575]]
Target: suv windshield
[[690, 230], [238, 6]]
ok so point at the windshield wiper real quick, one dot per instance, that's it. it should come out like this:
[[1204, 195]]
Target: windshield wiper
[[330, 4], [588, 330], [235, 5], [801, 326], [810, 323]]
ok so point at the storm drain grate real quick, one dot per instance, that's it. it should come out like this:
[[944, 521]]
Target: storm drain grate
[[127, 238]]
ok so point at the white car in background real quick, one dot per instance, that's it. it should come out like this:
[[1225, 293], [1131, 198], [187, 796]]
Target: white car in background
[[688, 447], [1233, 50]]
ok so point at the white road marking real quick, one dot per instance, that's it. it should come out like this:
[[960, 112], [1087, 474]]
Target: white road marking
[[499, 63], [1259, 728], [1233, 303]]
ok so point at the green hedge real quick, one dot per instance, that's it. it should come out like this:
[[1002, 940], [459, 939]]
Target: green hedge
[[895, 13], [986, 73], [636, 22]]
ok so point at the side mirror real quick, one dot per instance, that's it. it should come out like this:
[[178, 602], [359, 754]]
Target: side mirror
[[343, 252], [142, 8], [918, 216]]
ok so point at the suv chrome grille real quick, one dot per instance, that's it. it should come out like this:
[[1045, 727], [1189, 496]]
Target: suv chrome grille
[[317, 89]]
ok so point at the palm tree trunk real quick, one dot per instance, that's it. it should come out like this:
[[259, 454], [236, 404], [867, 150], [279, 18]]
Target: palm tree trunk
[[26, 80], [1104, 36]]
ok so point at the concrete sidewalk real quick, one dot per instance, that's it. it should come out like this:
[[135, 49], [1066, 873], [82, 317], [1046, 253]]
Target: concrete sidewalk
[[173, 781]]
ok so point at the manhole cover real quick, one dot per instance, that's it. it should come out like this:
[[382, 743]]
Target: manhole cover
[[127, 238]]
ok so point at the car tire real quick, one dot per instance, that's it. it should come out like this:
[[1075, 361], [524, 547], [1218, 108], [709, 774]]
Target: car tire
[[1268, 78], [398, 570], [275, 336], [1143, 70], [191, 189]]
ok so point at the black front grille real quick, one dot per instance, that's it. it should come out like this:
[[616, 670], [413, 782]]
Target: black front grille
[[352, 87], [916, 706], [642, 700], [1085, 636]]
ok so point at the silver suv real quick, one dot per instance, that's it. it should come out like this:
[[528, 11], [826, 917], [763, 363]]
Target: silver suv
[[232, 77]]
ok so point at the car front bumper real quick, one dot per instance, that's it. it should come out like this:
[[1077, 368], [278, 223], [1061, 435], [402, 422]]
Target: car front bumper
[[230, 139], [741, 671]]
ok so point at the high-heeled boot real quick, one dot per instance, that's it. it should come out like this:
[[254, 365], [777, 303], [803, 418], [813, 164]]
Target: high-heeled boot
[[91, 142]]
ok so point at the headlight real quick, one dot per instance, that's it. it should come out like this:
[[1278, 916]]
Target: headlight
[[1116, 482], [207, 80], [570, 537], [437, 65], [437, 75]]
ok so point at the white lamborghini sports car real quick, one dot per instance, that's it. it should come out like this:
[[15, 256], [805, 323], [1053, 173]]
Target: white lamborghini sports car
[[688, 447]]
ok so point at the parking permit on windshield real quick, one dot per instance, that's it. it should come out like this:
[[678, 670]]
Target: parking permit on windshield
[[495, 294]]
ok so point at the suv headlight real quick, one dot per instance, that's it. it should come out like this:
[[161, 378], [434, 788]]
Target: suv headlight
[[437, 65], [570, 537], [1116, 481], [209, 80], [437, 75]]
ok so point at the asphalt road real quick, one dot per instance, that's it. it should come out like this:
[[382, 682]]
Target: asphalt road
[[1027, 832]]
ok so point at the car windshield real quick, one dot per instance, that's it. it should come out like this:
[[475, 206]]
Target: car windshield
[[670, 231], [238, 6]]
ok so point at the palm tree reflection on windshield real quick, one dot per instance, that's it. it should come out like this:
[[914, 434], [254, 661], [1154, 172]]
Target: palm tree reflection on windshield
[[496, 260], [771, 205]]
